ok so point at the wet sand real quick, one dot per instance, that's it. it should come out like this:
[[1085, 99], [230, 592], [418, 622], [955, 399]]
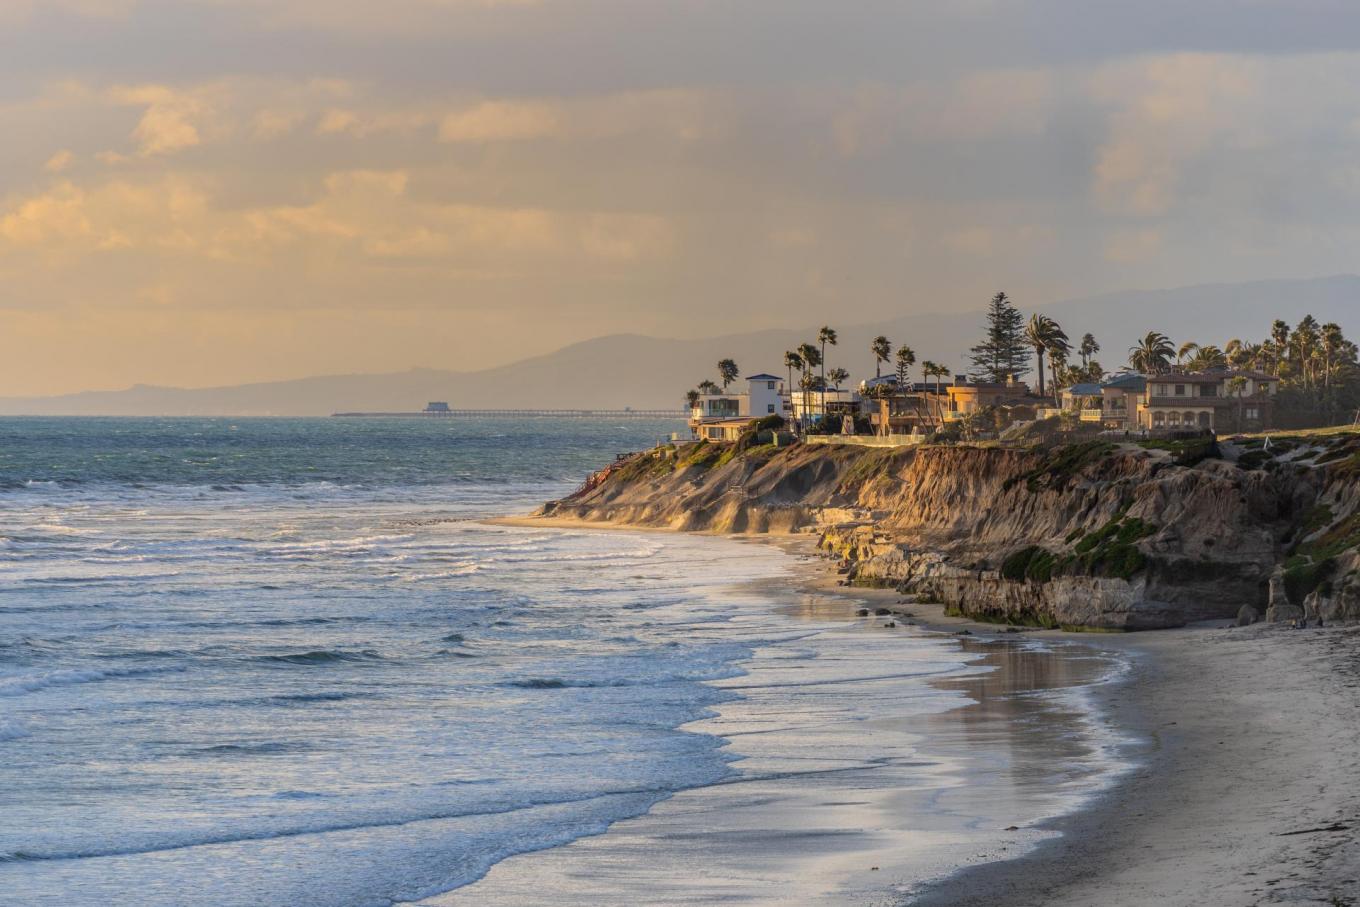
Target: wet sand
[[873, 776], [1246, 789]]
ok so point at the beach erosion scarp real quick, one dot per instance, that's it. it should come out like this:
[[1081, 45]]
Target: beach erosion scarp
[[1095, 535]]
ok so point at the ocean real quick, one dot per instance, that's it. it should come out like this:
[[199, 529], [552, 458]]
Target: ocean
[[285, 661]]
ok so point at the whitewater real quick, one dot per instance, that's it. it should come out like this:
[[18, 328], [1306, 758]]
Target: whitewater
[[252, 662]]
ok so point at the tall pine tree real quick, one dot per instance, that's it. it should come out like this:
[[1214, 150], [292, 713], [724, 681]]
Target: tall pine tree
[[1004, 352]]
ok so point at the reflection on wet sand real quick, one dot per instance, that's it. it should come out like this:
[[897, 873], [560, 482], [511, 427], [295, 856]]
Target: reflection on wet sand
[[867, 760]]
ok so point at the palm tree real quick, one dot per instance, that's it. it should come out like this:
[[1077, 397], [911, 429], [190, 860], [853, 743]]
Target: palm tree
[[824, 336], [811, 359], [1088, 348], [1207, 357], [691, 399], [906, 358], [1332, 340], [1151, 354], [1186, 349], [1044, 335], [1279, 339], [1255, 356], [727, 372], [708, 387], [837, 376], [792, 361], [1057, 364], [1303, 349], [941, 371], [881, 347], [1237, 385]]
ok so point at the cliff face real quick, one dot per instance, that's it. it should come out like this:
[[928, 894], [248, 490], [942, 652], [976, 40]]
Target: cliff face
[[1091, 534]]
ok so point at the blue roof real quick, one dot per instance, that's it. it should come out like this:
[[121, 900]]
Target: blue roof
[[1084, 390], [1129, 381], [762, 377]]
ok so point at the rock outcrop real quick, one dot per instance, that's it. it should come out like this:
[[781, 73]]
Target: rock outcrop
[[1092, 534]]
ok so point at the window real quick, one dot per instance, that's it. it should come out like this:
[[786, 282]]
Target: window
[[769, 385], [1205, 420], [1252, 412], [1158, 420], [1180, 390], [1173, 418], [1208, 390], [769, 407]]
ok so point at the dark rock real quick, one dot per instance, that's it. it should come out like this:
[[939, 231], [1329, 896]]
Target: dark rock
[[882, 612], [964, 633], [863, 612], [1246, 615], [891, 623]]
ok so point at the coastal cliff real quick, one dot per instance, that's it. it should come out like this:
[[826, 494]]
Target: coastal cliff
[[1093, 534]]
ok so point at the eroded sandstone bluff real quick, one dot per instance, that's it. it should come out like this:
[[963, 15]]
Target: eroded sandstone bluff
[[1093, 534]]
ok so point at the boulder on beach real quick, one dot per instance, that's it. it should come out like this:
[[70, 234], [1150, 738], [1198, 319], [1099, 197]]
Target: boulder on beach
[[1247, 615]]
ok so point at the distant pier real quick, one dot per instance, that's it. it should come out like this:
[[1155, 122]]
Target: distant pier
[[520, 413]]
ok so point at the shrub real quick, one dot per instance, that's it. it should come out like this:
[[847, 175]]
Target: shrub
[[1061, 465], [1033, 563], [1112, 550], [1301, 579]]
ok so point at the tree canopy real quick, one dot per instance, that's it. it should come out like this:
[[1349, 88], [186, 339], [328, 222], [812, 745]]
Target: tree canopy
[[1004, 352]]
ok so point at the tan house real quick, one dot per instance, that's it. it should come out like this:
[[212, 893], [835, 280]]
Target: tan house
[[905, 413], [1184, 401], [966, 398], [1120, 398], [721, 429]]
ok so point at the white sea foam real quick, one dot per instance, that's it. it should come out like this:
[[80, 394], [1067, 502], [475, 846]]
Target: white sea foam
[[18, 685], [12, 730]]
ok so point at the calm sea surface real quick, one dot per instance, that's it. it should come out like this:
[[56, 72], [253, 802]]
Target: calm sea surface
[[281, 661]]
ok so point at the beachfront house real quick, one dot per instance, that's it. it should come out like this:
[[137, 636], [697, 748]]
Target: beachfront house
[[967, 398], [1086, 400], [907, 410], [1210, 400], [723, 416], [1120, 397], [809, 407]]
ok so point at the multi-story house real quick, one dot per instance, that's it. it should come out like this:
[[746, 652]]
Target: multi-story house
[[1211, 400], [723, 416]]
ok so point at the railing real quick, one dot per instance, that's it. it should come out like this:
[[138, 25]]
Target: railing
[[868, 440], [1092, 415]]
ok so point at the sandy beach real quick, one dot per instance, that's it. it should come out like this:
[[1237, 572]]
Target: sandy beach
[[1245, 744], [1247, 787]]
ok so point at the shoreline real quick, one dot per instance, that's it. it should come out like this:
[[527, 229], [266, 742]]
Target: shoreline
[[1246, 787], [1247, 749], [868, 760]]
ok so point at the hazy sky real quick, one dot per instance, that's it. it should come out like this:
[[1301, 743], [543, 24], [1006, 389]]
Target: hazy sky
[[197, 192]]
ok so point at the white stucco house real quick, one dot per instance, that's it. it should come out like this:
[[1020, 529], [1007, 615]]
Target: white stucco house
[[721, 416]]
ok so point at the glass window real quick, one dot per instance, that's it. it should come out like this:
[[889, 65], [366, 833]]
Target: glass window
[[1180, 390]]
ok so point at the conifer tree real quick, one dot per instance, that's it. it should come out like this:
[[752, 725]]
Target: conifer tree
[[1004, 351]]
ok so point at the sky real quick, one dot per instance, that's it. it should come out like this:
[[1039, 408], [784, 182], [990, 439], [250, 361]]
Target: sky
[[204, 192]]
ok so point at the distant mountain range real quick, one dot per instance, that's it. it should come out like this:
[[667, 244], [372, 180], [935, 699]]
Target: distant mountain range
[[623, 370]]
